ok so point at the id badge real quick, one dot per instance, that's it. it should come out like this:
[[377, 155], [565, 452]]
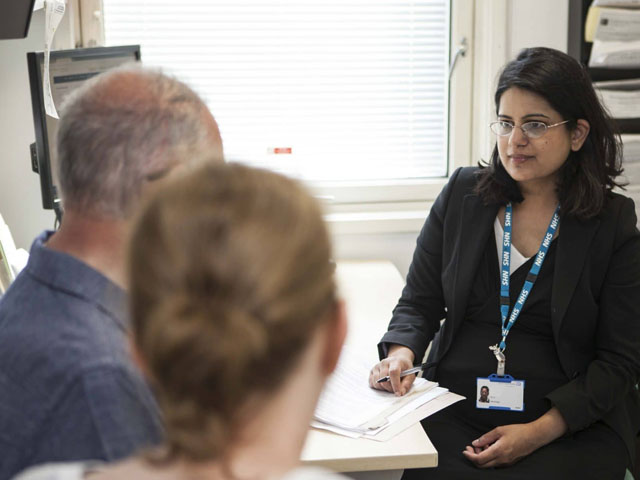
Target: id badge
[[500, 393]]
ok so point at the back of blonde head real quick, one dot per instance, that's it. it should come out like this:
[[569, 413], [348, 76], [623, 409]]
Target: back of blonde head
[[230, 276]]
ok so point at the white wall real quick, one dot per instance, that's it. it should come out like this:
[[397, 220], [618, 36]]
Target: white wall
[[539, 23], [529, 23], [502, 29]]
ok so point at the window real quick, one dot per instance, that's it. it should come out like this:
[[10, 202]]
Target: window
[[349, 95]]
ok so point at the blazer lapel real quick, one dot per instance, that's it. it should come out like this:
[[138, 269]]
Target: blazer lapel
[[476, 226], [573, 244]]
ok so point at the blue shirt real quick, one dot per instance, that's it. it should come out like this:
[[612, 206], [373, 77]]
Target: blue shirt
[[68, 390]]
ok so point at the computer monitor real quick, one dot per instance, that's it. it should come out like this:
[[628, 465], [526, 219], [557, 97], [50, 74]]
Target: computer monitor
[[15, 16], [68, 69]]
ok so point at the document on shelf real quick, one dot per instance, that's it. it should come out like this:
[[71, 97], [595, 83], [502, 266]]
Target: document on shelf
[[620, 97], [350, 407], [631, 160], [618, 25], [616, 41], [617, 3], [615, 54], [630, 147], [591, 23]]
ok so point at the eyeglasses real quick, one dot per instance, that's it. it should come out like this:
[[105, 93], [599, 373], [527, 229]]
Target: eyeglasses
[[530, 129]]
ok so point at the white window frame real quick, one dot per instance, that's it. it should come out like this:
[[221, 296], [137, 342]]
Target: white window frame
[[401, 205], [359, 193]]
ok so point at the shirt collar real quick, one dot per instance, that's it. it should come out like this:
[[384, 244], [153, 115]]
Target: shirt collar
[[64, 272]]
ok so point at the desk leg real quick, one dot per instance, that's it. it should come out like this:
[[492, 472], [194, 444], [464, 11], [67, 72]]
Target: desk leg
[[376, 475]]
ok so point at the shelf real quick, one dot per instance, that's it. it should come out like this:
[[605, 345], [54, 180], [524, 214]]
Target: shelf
[[628, 125], [602, 74], [581, 50]]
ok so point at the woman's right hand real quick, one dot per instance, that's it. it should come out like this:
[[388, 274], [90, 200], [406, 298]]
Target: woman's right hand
[[399, 358]]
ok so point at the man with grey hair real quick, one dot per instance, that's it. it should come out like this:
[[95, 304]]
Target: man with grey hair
[[68, 388]]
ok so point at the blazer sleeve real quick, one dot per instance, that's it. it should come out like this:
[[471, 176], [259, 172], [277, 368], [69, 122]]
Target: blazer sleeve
[[416, 317], [615, 369]]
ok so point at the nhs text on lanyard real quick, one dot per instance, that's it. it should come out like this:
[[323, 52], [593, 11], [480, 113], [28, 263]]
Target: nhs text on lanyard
[[532, 276], [499, 391]]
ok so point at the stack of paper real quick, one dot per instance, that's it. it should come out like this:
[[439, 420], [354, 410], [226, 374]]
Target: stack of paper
[[631, 164], [350, 407], [631, 158], [620, 97], [616, 36], [630, 147], [617, 3]]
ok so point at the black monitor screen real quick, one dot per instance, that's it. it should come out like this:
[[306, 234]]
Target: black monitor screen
[[15, 16], [68, 69]]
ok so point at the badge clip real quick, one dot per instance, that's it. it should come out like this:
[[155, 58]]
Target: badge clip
[[501, 359]]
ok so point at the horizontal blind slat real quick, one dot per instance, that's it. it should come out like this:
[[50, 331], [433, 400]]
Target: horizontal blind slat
[[357, 89]]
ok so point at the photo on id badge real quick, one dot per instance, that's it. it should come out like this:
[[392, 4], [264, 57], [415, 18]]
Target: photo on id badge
[[500, 393]]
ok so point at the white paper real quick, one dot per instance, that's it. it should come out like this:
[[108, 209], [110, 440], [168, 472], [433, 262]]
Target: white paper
[[54, 11], [630, 147], [620, 97], [618, 25], [621, 104], [615, 54], [616, 39], [348, 401], [617, 3], [432, 406], [332, 428], [417, 402], [38, 5], [407, 409], [631, 159]]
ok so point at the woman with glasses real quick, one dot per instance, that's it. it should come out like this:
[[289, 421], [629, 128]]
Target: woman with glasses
[[534, 263]]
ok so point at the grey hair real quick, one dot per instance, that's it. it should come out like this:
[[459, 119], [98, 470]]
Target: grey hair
[[123, 128]]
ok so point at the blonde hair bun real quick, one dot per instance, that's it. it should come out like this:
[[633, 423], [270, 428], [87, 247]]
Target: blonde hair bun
[[230, 274]]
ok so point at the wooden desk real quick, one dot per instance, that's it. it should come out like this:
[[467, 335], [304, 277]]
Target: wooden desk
[[371, 290]]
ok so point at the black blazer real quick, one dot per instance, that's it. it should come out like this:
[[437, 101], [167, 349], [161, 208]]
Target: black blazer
[[595, 304]]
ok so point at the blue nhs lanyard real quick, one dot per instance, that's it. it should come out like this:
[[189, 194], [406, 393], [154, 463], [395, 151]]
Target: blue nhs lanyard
[[531, 277]]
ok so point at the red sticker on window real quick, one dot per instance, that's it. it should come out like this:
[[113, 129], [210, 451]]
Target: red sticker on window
[[281, 150]]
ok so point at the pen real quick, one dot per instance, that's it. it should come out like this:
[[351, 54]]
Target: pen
[[404, 373]]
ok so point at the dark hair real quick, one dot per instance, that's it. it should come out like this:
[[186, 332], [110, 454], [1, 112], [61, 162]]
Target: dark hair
[[587, 175]]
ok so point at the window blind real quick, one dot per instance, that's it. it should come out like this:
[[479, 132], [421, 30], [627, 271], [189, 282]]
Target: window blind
[[324, 90]]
